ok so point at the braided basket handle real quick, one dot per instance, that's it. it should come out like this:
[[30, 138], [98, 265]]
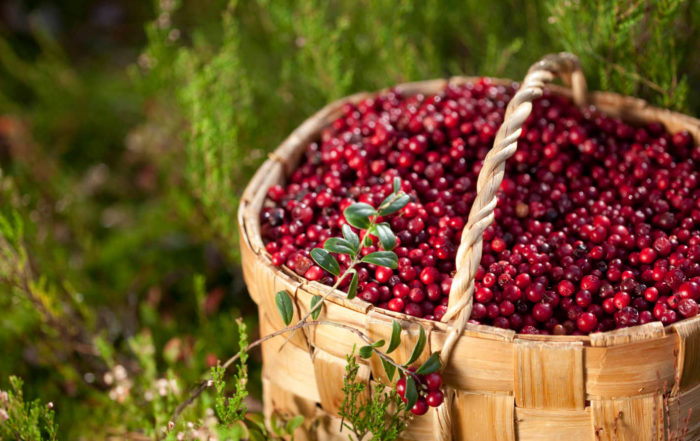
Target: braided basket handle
[[564, 65]]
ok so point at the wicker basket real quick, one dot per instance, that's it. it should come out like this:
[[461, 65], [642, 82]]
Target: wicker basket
[[633, 384]]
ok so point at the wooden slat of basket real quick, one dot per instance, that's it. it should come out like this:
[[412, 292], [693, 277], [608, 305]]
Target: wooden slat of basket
[[336, 341], [479, 364], [683, 419], [267, 283], [419, 428], [248, 263], [647, 331], [547, 425], [630, 369], [688, 332], [548, 375], [330, 372], [287, 366], [479, 417], [629, 419]]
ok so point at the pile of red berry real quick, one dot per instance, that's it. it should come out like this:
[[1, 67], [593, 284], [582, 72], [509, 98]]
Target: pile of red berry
[[428, 389], [597, 225]]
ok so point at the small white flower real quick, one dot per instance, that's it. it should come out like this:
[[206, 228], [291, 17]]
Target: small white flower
[[120, 372], [162, 386], [4, 416]]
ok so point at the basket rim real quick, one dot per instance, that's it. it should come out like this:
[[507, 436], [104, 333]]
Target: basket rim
[[626, 108]]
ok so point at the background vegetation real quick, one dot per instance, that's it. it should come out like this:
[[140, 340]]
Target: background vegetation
[[128, 130]]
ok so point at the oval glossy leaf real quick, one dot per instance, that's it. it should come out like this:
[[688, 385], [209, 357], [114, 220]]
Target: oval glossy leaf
[[395, 337], [378, 344], [418, 348], [432, 364], [382, 258], [358, 215], [340, 246], [325, 261], [314, 302], [397, 184], [352, 288], [366, 351], [411, 392], [393, 203], [385, 235], [284, 306], [389, 369], [351, 236]]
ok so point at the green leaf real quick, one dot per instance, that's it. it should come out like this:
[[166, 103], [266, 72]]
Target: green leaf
[[385, 235], [411, 392], [397, 184], [284, 306], [351, 236], [314, 301], [366, 351], [325, 261], [397, 202], [276, 425], [294, 423], [382, 258], [395, 337], [358, 215], [389, 369], [352, 289], [378, 344], [418, 348], [340, 246], [432, 364]]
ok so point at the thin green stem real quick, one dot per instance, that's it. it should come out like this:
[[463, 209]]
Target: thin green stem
[[207, 383]]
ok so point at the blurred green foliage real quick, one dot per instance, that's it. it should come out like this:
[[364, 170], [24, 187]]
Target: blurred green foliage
[[128, 131]]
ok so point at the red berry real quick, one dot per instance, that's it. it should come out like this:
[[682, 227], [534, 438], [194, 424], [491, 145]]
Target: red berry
[[647, 255], [429, 275], [433, 381], [313, 273], [382, 274], [688, 308], [621, 300], [542, 312], [421, 407], [401, 386], [435, 398], [396, 304], [586, 322], [689, 290]]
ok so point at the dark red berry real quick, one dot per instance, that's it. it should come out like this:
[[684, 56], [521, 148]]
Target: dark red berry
[[435, 398]]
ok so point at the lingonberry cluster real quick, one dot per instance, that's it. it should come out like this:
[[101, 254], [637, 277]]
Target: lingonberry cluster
[[597, 225], [428, 390]]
